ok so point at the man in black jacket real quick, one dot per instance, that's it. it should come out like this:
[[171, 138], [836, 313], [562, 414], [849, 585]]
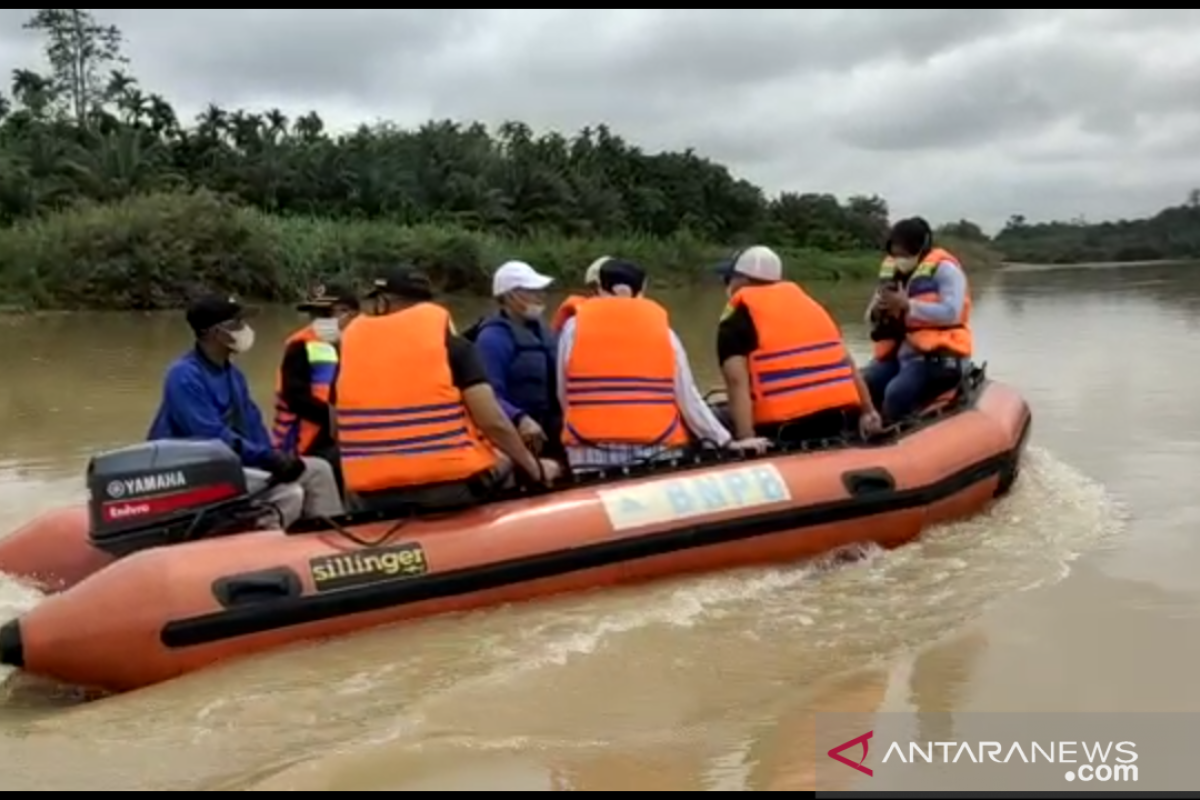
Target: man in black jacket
[[304, 415]]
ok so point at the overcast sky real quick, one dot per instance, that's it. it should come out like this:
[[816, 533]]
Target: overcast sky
[[977, 113]]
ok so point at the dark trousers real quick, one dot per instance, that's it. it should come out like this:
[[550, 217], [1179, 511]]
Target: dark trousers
[[432, 498], [823, 425], [552, 425], [899, 389]]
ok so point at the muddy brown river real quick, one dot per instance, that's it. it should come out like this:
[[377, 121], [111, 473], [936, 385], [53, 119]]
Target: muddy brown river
[[1076, 593]]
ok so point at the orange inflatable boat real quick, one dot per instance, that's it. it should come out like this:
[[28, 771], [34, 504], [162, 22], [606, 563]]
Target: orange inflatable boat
[[160, 576]]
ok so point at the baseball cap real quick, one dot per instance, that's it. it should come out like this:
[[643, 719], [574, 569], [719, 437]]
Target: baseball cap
[[211, 310], [758, 262], [403, 281], [518, 275], [617, 272], [325, 296], [913, 234], [593, 271]]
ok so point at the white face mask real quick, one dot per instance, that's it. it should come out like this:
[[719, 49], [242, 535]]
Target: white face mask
[[327, 329], [534, 311], [242, 339], [906, 264]]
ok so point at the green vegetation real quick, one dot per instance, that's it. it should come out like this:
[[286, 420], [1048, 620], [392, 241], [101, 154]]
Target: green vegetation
[[1173, 233], [107, 201]]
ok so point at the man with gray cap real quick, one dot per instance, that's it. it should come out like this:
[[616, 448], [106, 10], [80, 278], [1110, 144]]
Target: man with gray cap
[[518, 350], [624, 381], [787, 371]]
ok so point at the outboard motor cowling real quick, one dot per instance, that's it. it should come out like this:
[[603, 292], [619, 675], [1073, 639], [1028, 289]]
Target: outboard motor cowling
[[165, 491]]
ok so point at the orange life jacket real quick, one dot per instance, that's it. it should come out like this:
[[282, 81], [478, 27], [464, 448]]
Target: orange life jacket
[[954, 340], [289, 433], [801, 366], [620, 378], [400, 420], [566, 311]]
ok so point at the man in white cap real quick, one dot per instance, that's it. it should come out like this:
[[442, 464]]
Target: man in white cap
[[518, 350], [591, 282], [787, 371]]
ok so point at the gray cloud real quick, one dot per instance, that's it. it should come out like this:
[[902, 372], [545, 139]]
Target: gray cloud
[[976, 113]]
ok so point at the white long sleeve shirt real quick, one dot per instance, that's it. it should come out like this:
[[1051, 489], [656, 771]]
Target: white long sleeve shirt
[[697, 416]]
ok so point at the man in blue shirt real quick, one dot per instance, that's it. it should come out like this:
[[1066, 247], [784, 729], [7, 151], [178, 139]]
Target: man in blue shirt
[[518, 351], [206, 397]]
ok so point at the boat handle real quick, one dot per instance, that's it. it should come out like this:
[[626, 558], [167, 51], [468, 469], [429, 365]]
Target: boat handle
[[862, 482], [257, 587]]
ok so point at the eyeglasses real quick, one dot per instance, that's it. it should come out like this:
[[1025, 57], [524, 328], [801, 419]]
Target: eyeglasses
[[231, 325]]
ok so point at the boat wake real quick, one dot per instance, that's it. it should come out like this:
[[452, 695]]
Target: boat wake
[[528, 673], [638, 665], [882, 602], [15, 599]]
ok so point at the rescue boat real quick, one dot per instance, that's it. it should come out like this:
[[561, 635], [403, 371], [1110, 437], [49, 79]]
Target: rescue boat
[[159, 575]]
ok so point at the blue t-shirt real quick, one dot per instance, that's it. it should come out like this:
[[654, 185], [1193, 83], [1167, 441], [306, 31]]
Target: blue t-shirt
[[203, 400]]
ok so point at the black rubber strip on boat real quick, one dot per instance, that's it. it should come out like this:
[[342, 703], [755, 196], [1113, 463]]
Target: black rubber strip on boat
[[259, 618]]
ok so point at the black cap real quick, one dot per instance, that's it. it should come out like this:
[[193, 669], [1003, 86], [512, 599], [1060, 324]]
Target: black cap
[[618, 272], [403, 281], [327, 295], [913, 234], [211, 310]]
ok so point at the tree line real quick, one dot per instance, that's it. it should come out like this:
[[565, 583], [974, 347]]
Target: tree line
[[108, 198], [88, 130], [1173, 233], [105, 192]]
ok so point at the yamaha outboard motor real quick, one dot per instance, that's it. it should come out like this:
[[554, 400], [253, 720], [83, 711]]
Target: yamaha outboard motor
[[163, 492]]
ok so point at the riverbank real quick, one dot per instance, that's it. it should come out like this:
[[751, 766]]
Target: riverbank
[[1023, 266], [154, 251]]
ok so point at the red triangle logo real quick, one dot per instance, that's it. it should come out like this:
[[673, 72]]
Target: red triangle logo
[[836, 753]]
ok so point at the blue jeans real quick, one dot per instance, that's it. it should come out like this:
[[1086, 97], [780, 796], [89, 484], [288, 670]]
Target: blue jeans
[[900, 389]]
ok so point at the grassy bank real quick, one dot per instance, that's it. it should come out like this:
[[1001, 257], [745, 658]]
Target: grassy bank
[[976, 256], [155, 251]]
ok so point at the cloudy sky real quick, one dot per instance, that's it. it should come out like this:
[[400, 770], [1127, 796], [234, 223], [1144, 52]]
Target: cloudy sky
[[977, 113]]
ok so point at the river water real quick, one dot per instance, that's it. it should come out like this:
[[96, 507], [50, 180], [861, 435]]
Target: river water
[[1076, 593]]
